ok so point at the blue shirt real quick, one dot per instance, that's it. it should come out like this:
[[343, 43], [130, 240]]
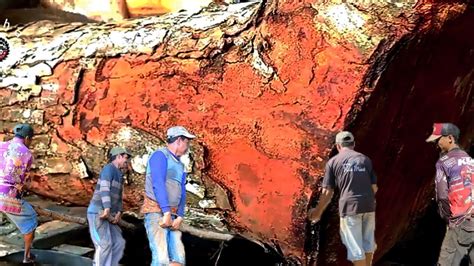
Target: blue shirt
[[166, 181], [352, 173], [108, 191]]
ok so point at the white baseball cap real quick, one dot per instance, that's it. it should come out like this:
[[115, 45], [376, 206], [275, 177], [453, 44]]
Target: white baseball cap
[[344, 137], [179, 131]]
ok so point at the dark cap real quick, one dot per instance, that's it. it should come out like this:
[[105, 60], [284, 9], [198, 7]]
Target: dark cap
[[443, 129], [344, 137], [23, 131]]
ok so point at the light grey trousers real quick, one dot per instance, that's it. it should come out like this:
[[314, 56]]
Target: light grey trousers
[[108, 241]]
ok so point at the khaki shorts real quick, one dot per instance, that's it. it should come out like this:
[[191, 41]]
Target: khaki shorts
[[357, 234]]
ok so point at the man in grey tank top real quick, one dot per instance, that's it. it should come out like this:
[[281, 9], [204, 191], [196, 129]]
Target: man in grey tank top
[[352, 173], [165, 198]]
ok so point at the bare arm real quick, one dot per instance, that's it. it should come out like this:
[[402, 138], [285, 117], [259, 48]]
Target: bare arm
[[375, 188], [314, 214]]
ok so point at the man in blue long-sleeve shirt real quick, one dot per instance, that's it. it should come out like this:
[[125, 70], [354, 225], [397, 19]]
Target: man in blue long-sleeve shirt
[[107, 200], [165, 199]]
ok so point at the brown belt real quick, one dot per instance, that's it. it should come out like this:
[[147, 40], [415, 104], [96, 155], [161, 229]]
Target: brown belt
[[150, 205]]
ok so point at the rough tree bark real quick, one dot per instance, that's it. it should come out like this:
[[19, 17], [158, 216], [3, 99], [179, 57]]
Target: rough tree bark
[[265, 86], [185, 228]]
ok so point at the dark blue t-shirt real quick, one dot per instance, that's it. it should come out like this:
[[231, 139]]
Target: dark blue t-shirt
[[352, 173]]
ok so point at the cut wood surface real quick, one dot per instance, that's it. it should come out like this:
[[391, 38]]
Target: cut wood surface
[[265, 86]]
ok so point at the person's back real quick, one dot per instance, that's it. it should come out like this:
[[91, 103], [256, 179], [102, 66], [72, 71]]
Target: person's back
[[15, 160], [353, 175], [351, 172]]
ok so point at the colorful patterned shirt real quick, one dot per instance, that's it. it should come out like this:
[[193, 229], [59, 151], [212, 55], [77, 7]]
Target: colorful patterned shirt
[[15, 162], [454, 173]]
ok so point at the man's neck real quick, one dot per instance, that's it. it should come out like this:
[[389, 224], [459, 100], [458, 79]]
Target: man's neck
[[116, 164], [453, 147], [19, 139], [346, 149], [173, 150]]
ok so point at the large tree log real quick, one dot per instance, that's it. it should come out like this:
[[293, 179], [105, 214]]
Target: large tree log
[[265, 86], [185, 228]]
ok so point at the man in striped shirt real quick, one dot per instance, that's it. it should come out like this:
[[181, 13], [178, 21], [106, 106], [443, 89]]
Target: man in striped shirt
[[107, 200]]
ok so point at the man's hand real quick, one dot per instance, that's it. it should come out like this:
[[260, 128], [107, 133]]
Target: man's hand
[[166, 221], [177, 223], [117, 218], [105, 214], [19, 187], [314, 215]]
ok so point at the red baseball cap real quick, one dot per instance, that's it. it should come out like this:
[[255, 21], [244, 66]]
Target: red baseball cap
[[443, 129]]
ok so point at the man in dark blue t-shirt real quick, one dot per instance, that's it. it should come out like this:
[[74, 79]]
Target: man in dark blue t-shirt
[[352, 173]]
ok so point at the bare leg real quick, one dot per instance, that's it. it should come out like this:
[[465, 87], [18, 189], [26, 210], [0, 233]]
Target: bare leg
[[28, 241], [359, 262], [175, 264], [368, 258]]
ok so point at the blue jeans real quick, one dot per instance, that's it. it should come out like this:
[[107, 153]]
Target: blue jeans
[[357, 234], [165, 244]]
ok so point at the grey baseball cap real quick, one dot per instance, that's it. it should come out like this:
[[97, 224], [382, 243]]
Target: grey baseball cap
[[344, 137], [23, 130], [119, 150], [179, 131]]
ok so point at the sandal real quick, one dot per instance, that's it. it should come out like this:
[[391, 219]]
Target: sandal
[[30, 260]]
